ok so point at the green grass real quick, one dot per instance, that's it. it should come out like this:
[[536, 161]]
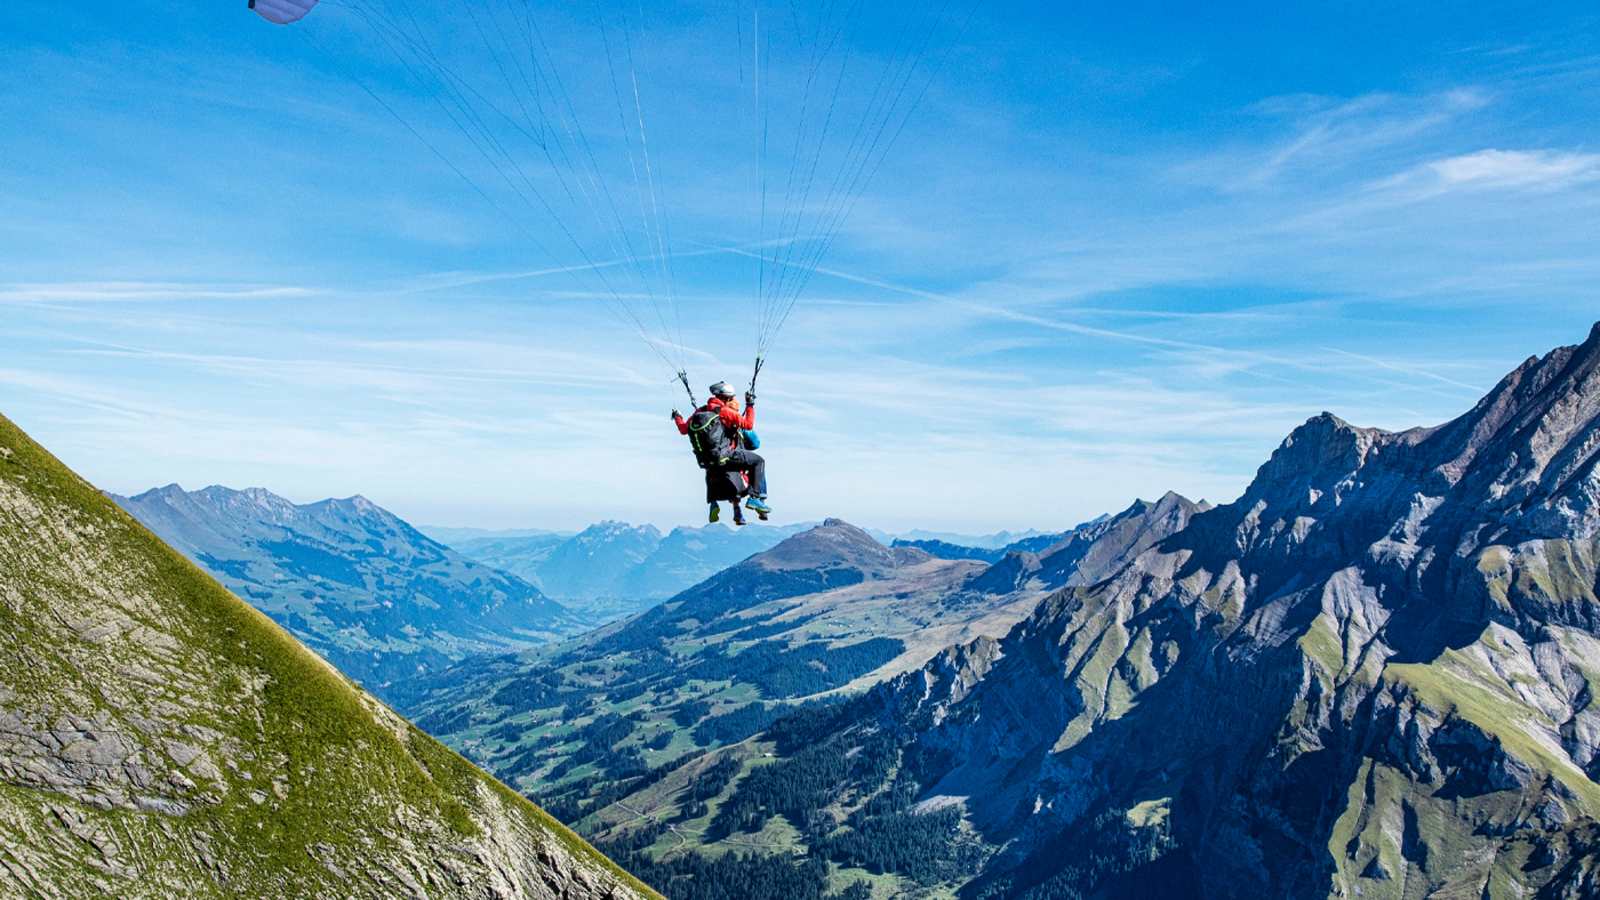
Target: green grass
[[1150, 813], [884, 886], [1563, 572], [1321, 644], [337, 755], [1447, 685]]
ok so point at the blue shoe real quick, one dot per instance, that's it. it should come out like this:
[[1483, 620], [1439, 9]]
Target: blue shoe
[[716, 512], [759, 504]]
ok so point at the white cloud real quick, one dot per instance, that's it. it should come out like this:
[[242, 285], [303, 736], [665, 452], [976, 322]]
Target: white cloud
[[126, 291], [1535, 173], [1511, 169], [1329, 135]]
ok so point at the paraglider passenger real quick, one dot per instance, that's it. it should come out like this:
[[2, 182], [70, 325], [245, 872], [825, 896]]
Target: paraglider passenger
[[716, 433]]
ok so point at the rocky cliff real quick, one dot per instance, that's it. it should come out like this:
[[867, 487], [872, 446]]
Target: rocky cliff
[[1373, 675], [160, 738]]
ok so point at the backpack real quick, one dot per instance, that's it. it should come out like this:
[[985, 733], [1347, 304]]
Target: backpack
[[709, 438]]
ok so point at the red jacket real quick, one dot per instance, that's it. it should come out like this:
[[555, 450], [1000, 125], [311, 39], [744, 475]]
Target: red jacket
[[730, 419]]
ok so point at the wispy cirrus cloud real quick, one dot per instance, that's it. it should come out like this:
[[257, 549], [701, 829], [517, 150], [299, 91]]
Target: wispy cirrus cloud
[[1491, 169], [1311, 136], [132, 291]]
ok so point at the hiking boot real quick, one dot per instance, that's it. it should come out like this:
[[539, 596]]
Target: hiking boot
[[716, 512], [759, 504]]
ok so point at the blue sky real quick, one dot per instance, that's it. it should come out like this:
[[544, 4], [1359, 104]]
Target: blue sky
[[1113, 251]]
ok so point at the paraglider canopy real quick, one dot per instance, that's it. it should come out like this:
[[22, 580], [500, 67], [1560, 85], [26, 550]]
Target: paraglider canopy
[[282, 12]]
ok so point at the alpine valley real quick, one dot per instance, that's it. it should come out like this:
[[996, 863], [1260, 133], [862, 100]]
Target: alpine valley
[[653, 712]]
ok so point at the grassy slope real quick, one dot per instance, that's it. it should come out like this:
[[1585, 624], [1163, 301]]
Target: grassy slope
[[312, 714]]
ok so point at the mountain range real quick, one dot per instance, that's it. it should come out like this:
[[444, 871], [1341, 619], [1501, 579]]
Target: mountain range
[[160, 738], [353, 581], [449, 534], [999, 540], [947, 550], [612, 569], [1373, 675], [824, 614]]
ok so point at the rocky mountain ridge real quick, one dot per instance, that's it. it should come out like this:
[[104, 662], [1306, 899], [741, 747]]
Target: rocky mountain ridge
[[160, 738], [352, 580], [621, 721], [1372, 675]]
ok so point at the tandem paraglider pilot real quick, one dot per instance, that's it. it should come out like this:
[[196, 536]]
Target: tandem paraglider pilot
[[724, 442]]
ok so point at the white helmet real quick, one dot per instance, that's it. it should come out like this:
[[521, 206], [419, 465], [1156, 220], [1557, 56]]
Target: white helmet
[[724, 390]]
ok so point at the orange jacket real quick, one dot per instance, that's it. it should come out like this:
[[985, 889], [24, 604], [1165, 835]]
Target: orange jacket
[[730, 419]]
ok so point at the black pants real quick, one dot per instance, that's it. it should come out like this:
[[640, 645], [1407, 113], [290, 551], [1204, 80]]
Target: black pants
[[724, 484], [747, 461]]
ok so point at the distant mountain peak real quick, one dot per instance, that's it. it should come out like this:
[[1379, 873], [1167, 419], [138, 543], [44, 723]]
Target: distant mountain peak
[[375, 596], [611, 527], [1522, 462], [833, 544], [167, 493], [1092, 551]]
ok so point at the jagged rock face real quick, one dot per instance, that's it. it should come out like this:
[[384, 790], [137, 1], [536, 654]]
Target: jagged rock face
[[353, 581], [1013, 572], [159, 738], [1094, 551], [1372, 675]]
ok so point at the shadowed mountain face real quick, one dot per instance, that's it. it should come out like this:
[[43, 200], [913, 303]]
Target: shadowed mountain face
[[159, 738], [1372, 675], [350, 579], [1092, 551]]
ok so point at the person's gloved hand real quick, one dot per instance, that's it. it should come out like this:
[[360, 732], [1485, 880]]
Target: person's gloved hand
[[749, 398], [676, 415]]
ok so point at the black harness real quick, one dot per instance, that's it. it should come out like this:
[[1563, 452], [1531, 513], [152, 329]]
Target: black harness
[[709, 438]]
